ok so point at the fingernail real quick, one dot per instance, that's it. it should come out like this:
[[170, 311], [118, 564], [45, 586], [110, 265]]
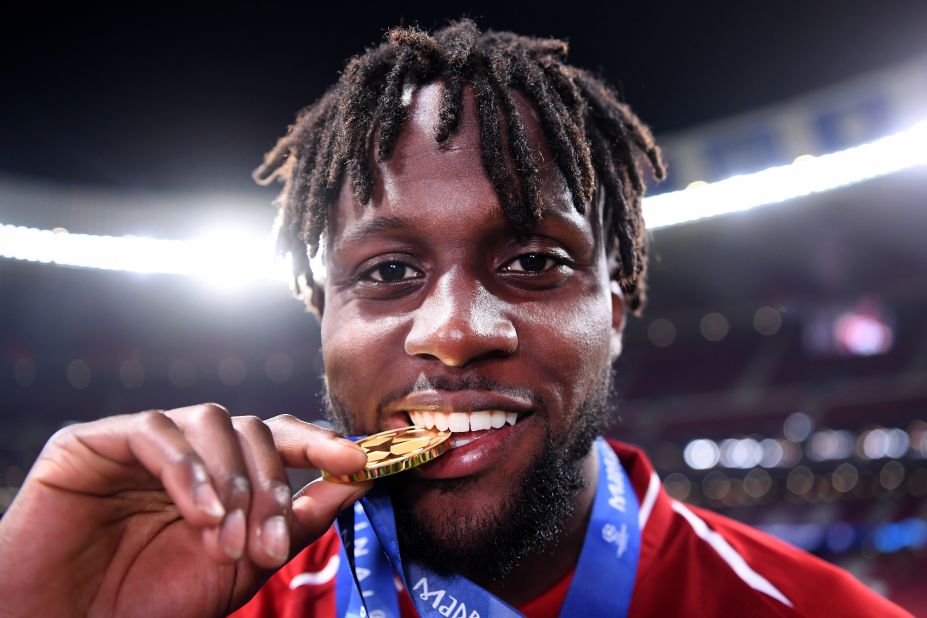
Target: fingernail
[[276, 538], [205, 498], [232, 534]]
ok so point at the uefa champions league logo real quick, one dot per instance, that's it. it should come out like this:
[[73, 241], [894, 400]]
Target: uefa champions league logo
[[616, 536]]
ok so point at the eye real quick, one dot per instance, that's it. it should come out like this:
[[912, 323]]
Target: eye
[[531, 263], [391, 272]]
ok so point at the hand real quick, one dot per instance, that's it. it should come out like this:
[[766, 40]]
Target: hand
[[177, 513]]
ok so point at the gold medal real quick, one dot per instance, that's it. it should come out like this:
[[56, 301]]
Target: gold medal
[[396, 450]]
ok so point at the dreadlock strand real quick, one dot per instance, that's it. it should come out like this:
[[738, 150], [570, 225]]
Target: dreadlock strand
[[420, 42], [604, 115], [391, 111], [580, 176], [556, 127], [459, 40], [643, 138], [451, 108], [620, 123], [305, 155], [614, 203], [523, 157], [493, 152], [560, 77], [364, 80], [554, 47]]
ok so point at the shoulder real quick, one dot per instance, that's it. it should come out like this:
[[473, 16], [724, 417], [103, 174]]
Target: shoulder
[[696, 562], [304, 586]]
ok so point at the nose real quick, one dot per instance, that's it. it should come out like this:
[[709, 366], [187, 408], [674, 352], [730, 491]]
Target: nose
[[460, 322]]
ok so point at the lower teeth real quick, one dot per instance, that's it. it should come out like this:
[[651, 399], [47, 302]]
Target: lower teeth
[[457, 442]]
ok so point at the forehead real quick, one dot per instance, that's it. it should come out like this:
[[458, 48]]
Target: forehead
[[421, 176]]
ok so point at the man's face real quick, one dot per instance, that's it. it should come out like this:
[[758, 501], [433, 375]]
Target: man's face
[[435, 302]]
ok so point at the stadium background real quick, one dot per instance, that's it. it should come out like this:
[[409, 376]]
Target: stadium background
[[777, 376]]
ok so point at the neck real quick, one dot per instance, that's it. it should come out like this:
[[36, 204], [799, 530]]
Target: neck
[[542, 570]]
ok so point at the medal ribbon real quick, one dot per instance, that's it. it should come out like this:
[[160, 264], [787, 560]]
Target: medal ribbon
[[602, 582]]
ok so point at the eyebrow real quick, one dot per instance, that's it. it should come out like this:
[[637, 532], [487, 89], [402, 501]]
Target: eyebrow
[[364, 230], [372, 227]]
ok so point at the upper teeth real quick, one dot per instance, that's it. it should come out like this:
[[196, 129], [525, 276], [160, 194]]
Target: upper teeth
[[463, 421]]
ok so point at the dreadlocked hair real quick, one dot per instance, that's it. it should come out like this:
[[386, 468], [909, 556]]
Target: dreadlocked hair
[[595, 138]]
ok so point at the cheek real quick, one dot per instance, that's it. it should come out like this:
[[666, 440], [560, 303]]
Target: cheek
[[571, 350], [358, 351]]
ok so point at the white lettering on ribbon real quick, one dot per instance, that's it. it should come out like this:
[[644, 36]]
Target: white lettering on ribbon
[[360, 550], [360, 546], [445, 610], [426, 594], [617, 499], [435, 597], [461, 612]]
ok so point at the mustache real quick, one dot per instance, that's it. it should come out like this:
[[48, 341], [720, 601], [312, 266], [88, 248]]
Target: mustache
[[465, 382]]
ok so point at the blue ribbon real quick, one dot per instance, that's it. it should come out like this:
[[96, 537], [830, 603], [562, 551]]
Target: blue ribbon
[[364, 582], [603, 581]]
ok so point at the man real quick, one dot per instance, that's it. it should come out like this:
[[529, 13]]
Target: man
[[476, 204]]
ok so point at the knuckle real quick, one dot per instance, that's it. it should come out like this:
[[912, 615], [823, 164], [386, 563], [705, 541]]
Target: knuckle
[[189, 462], [215, 407], [210, 412], [238, 488], [276, 496], [282, 495], [281, 418], [151, 420], [253, 428], [67, 431], [248, 422], [65, 434]]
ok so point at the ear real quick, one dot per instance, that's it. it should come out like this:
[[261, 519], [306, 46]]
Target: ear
[[312, 293], [317, 298], [618, 319]]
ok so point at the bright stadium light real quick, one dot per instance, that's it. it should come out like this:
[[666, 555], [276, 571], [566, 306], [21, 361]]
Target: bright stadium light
[[235, 258], [806, 175], [226, 260]]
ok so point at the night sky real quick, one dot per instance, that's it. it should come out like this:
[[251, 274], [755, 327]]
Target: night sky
[[191, 101]]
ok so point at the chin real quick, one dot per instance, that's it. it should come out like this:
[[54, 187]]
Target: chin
[[487, 524]]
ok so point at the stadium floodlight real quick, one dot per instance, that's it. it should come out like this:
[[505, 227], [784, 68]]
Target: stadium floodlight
[[227, 260], [240, 258], [806, 175]]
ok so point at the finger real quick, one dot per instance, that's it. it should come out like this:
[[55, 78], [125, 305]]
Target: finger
[[161, 448], [208, 428], [269, 519], [317, 504], [304, 445], [213, 547]]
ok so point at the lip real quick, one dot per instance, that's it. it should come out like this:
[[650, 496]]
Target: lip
[[479, 455], [459, 401]]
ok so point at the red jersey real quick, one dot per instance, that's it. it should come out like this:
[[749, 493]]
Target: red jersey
[[692, 563]]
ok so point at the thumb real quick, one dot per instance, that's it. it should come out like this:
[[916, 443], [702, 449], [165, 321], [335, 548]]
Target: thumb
[[316, 506]]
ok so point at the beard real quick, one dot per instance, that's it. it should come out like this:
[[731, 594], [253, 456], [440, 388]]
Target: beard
[[531, 519]]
